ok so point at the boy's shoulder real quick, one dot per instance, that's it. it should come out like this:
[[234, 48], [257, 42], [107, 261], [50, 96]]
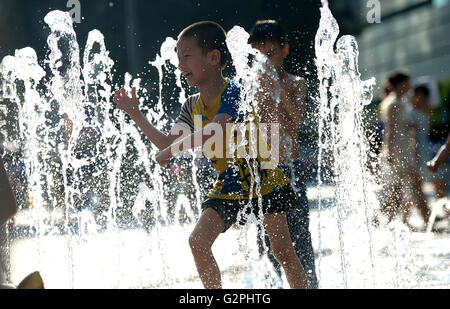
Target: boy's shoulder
[[190, 102], [390, 101], [295, 86], [294, 80], [193, 98], [393, 106]]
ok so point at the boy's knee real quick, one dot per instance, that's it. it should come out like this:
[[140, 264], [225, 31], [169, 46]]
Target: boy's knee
[[198, 243]]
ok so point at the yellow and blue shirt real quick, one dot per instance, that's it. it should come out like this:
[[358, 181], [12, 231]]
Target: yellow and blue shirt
[[234, 180]]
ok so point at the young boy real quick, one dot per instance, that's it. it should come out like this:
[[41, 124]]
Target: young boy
[[269, 38], [202, 54]]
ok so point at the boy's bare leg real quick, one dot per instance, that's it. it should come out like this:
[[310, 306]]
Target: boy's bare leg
[[419, 196], [283, 250], [393, 203], [206, 231], [406, 211]]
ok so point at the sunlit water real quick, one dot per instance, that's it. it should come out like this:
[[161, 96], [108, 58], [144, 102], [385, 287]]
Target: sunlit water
[[366, 257], [77, 237]]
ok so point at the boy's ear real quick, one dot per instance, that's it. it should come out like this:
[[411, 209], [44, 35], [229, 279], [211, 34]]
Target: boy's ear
[[286, 49], [214, 57]]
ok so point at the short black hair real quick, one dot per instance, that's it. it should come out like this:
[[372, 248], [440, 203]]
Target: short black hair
[[397, 78], [210, 36], [423, 90], [267, 30]]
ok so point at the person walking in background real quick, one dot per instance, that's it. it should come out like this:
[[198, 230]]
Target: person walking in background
[[399, 166]]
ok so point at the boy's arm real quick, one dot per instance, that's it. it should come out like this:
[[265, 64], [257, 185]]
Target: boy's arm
[[268, 109], [390, 129], [158, 138], [68, 126], [441, 157], [196, 139], [294, 104], [131, 107], [8, 205]]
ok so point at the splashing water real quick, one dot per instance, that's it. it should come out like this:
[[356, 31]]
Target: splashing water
[[82, 160], [249, 77], [98, 203], [344, 148]]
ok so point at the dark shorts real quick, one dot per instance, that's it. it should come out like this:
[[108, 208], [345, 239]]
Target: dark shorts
[[278, 201]]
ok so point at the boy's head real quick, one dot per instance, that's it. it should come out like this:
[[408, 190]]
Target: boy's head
[[420, 97], [400, 83], [269, 38], [201, 49]]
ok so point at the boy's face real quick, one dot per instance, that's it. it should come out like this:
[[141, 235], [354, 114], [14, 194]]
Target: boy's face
[[274, 51], [403, 87], [419, 100], [193, 63]]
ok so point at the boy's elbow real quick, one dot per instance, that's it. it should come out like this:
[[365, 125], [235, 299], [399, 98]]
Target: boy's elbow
[[8, 212]]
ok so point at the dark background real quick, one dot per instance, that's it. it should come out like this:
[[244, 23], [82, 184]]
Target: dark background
[[135, 29]]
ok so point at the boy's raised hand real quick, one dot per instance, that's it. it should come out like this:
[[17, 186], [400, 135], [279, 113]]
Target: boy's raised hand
[[125, 103], [432, 166]]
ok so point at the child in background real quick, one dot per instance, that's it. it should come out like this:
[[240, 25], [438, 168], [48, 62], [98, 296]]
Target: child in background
[[269, 38], [202, 54], [420, 139], [399, 166]]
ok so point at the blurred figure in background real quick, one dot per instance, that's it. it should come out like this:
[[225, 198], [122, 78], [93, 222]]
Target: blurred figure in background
[[435, 166], [441, 157], [420, 128], [399, 167], [375, 135], [440, 167]]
